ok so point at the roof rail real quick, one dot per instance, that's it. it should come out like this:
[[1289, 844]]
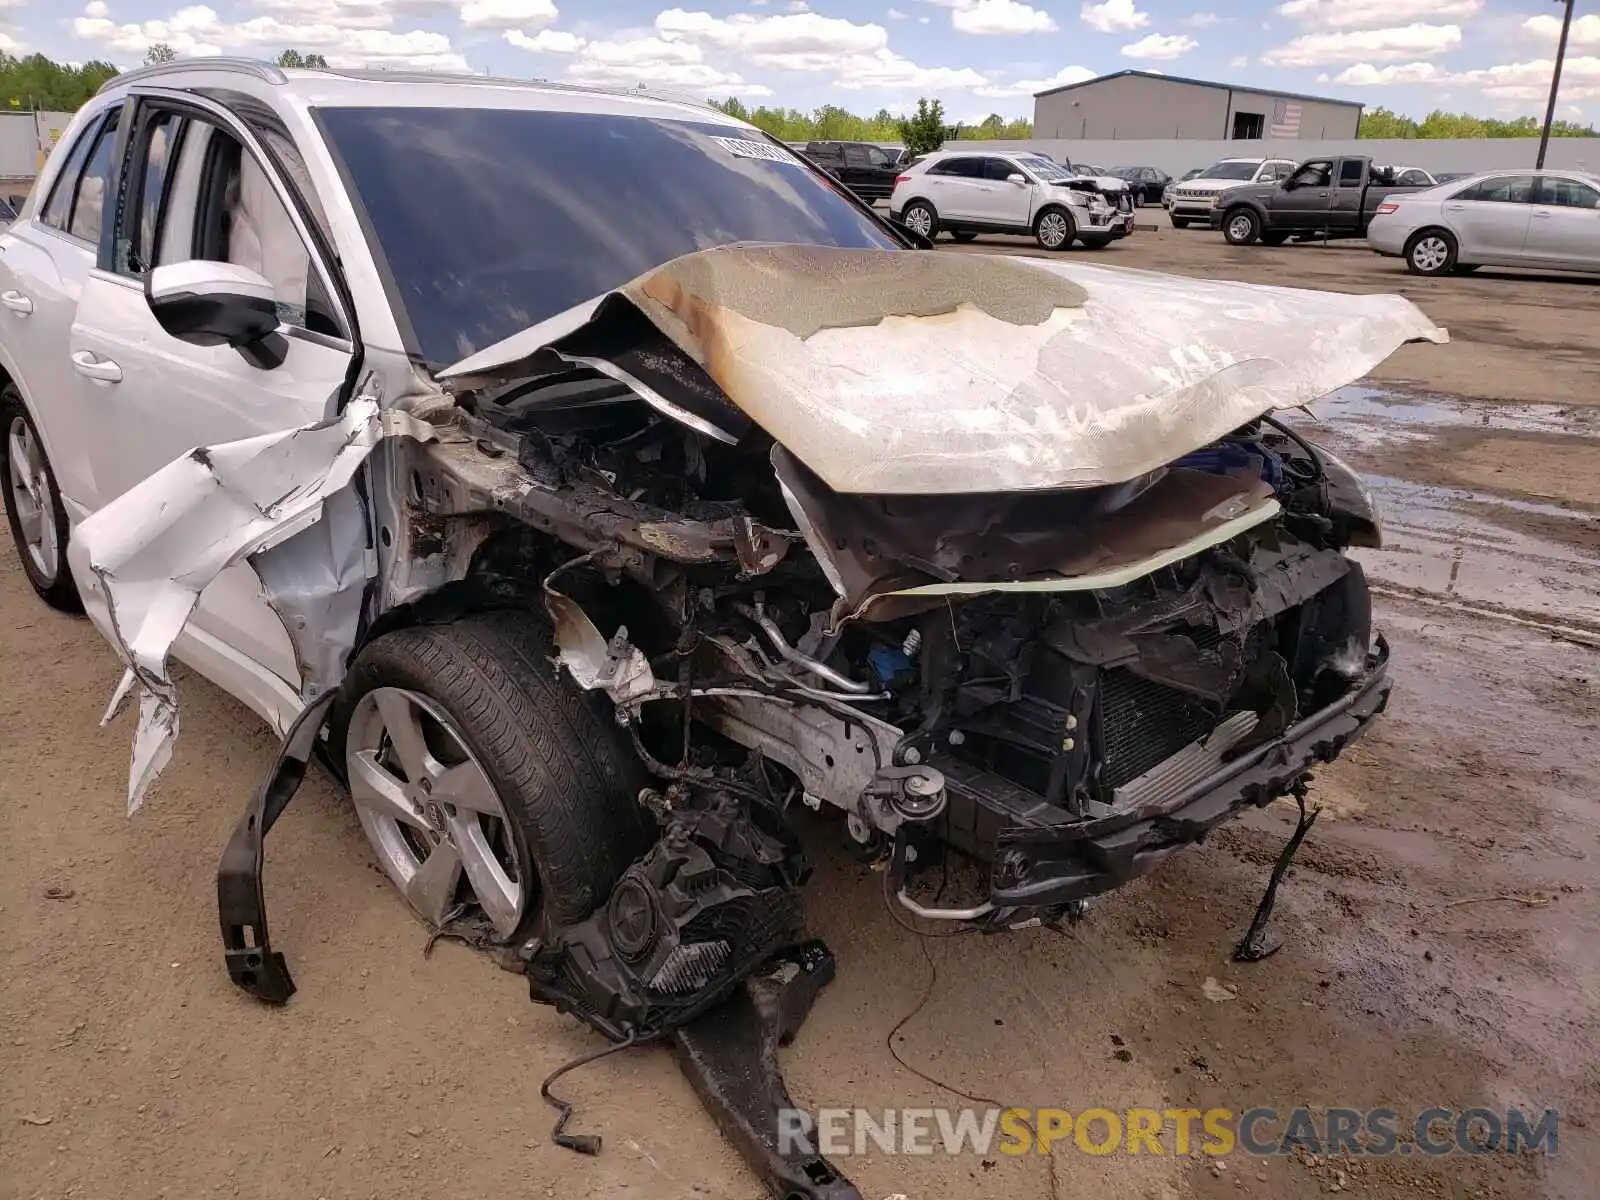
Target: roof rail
[[246, 66]]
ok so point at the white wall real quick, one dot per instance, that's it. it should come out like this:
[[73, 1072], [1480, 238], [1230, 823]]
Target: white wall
[[1176, 157], [22, 137]]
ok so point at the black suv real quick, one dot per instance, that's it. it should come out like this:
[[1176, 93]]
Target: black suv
[[867, 170]]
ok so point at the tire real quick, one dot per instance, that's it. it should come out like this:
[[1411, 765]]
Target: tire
[[1054, 229], [1241, 226], [916, 215], [38, 521], [1274, 237], [565, 779], [1431, 252], [964, 237], [1180, 222], [1095, 243]]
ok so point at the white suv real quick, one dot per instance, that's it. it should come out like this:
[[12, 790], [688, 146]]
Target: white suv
[[965, 193], [1194, 200]]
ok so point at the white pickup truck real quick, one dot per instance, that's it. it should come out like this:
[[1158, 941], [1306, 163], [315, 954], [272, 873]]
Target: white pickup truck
[[1194, 199]]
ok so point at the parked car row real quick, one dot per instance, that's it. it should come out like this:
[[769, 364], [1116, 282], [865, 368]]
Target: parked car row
[[1438, 224]]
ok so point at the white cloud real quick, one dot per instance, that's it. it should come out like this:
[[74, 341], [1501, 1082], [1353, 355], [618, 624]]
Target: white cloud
[[1113, 16], [546, 41], [1363, 45], [1372, 14], [1585, 30], [1160, 47], [656, 62], [894, 14], [1203, 20], [197, 31], [96, 8], [792, 42], [798, 6], [1030, 87], [351, 14], [1367, 75], [886, 69], [1241, 60], [984, 18], [527, 15], [9, 44], [1530, 81]]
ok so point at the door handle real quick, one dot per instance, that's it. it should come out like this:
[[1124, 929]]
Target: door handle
[[1455, 207], [16, 302], [91, 366]]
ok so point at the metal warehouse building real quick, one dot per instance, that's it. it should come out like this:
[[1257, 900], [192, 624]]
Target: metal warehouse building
[[1147, 104]]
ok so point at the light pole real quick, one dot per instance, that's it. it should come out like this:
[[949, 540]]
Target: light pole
[[1555, 83]]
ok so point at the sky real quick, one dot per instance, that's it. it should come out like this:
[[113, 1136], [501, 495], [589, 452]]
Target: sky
[[1489, 57]]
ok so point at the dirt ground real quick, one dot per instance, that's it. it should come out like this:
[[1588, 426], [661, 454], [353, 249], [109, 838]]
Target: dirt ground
[[1440, 926]]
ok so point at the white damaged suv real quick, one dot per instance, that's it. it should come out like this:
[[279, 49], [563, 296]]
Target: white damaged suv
[[968, 192], [590, 550]]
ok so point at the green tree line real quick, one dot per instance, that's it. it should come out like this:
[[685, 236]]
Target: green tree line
[[1382, 123], [832, 123], [34, 82]]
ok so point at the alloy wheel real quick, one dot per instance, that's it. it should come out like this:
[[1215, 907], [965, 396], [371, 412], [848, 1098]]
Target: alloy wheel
[[1239, 228], [431, 812], [919, 220], [1053, 230], [1430, 253], [29, 489]]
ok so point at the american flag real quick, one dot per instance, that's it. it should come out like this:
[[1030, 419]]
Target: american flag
[[1285, 119]]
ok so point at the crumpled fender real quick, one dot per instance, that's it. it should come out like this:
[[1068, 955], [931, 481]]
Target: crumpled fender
[[142, 561]]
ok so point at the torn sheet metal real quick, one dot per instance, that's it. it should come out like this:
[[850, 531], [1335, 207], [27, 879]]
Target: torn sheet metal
[[891, 372], [143, 560]]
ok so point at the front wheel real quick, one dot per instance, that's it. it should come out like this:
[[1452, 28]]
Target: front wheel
[[920, 218], [1431, 252], [33, 506], [1241, 227], [1055, 229], [489, 786]]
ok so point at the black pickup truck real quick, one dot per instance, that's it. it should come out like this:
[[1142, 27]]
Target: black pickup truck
[[1322, 197], [867, 170]]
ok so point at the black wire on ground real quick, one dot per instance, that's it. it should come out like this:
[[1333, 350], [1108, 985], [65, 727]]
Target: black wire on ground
[[582, 1143], [927, 994]]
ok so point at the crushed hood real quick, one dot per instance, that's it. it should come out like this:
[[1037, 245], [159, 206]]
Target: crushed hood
[[895, 372]]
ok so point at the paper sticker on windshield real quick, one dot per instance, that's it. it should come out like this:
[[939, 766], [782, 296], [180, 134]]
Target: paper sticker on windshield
[[743, 148]]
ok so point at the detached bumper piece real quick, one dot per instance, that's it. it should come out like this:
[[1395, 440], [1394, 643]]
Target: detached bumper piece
[[701, 939], [730, 1056], [242, 908]]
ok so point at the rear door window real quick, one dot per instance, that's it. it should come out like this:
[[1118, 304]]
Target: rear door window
[[1352, 173], [999, 169], [961, 168], [1567, 193], [83, 174]]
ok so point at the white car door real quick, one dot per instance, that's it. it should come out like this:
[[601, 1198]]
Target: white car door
[[200, 187], [44, 263], [1002, 202], [1564, 228], [954, 187], [1491, 218]]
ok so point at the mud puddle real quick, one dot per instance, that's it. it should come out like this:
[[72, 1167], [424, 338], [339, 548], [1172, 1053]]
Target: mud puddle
[[1527, 558]]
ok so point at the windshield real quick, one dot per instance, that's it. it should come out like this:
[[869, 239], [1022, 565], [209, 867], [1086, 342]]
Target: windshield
[[1232, 170], [490, 220], [1050, 172]]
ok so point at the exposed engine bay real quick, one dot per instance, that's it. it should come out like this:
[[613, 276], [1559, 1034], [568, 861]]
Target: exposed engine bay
[[1063, 683]]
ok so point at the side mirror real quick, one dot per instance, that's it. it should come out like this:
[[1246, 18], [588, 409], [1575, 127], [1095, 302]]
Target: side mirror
[[1017, 180], [218, 304]]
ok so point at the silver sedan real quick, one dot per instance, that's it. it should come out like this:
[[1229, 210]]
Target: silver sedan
[[1542, 219]]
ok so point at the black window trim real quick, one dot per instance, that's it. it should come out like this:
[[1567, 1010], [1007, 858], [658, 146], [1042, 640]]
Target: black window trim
[[131, 211]]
